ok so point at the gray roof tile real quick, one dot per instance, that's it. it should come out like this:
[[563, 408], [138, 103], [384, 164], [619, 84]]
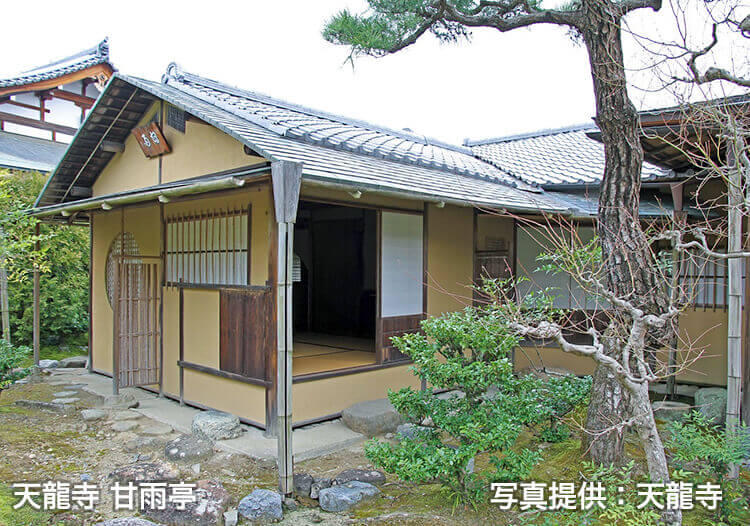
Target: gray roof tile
[[564, 156], [21, 152]]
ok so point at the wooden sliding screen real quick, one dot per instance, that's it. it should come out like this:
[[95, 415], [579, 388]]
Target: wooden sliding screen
[[245, 332]]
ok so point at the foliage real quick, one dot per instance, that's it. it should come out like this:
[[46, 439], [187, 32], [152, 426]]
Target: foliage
[[625, 512], [705, 452], [11, 357], [62, 260], [469, 351]]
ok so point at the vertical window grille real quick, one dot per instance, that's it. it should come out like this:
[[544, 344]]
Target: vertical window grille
[[208, 248], [705, 280]]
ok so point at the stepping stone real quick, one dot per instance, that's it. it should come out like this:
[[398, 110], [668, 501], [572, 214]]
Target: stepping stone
[[155, 429], [124, 426], [344, 496], [64, 394], [262, 505], [125, 415], [72, 400], [216, 425], [372, 418], [48, 364], [188, 448], [93, 414], [146, 472], [670, 411], [120, 401], [74, 362]]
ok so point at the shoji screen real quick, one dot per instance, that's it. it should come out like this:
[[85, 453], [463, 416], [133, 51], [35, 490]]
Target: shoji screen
[[401, 257]]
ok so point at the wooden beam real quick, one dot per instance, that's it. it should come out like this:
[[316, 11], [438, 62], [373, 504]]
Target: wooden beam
[[79, 100], [112, 146], [81, 191], [92, 72], [34, 123], [24, 105]]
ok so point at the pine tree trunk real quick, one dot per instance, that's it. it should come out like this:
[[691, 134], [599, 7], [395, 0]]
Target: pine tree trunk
[[625, 252]]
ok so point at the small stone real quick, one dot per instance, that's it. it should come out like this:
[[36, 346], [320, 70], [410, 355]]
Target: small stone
[[261, 505], [72, 400], [196, 468], [85, 477], [371, 476], [143, 457], [56, 406], [64, 394], [289, 504], [216, 425], [670, 411], [188, 447], [146, 472], [344, 496], [371, 418], [74, 362], [124, 426], [48, 364], [315, 518], [712, 403], [137, 443], [318, 485], [302, 484], [156, 429], [230, 518], [125, 415], [93, 414], [211, 501]]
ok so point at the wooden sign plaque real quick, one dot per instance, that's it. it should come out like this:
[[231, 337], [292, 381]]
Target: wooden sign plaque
[[151, 140]]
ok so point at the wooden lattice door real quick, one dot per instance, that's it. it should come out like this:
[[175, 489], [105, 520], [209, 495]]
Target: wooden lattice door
[[136, 323]]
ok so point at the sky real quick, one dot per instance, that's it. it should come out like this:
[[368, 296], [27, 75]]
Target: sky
[[496, 84]]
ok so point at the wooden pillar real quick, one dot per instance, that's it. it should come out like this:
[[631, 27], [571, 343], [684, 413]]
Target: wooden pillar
[[678, 217], [286, 178], [36, 301]]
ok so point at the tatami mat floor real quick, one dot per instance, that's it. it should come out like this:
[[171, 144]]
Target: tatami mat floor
[[314, 353]]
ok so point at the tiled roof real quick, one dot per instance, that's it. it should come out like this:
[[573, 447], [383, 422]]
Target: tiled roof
[[21, 152], [550, 158], [98, 54], [334, 131]]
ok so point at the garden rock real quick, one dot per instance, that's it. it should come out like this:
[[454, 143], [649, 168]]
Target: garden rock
[[124, 426], [216, 425], [318, 485], [371, 476], [211, 500], [156, 429], [120, 401], [138, 443], [371, 418], [344, 496], [126, 521], [48, 364], [712, 403], [261, 505], [74, 362], [64, 394], [72, 400], [302, 484], [411, 431], [36, 404], [93, 414], [188, 448], [230, 518], [670, 411], [146, 472]]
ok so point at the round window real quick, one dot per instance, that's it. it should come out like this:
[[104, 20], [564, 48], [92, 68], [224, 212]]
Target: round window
[[123, 245]]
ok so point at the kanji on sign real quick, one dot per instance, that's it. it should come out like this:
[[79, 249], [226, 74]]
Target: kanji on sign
[[181, 494], [533, 496], [562, 496], [85, 495], [56, 495], [650, 493], [28, 490], [592, 494], [153, 495], [123, 496], [709, 495], [679, 495]]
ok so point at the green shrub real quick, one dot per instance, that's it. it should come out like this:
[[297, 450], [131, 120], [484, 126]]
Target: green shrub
[[469, 351], [11, 357]]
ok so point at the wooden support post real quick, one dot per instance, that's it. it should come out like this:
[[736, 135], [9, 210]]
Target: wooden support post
[[678, 218], [35, 337], [286, 178], [734, 311]]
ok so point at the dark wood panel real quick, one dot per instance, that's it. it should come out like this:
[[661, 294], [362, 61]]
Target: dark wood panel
[[396, 326], [246, 323]]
